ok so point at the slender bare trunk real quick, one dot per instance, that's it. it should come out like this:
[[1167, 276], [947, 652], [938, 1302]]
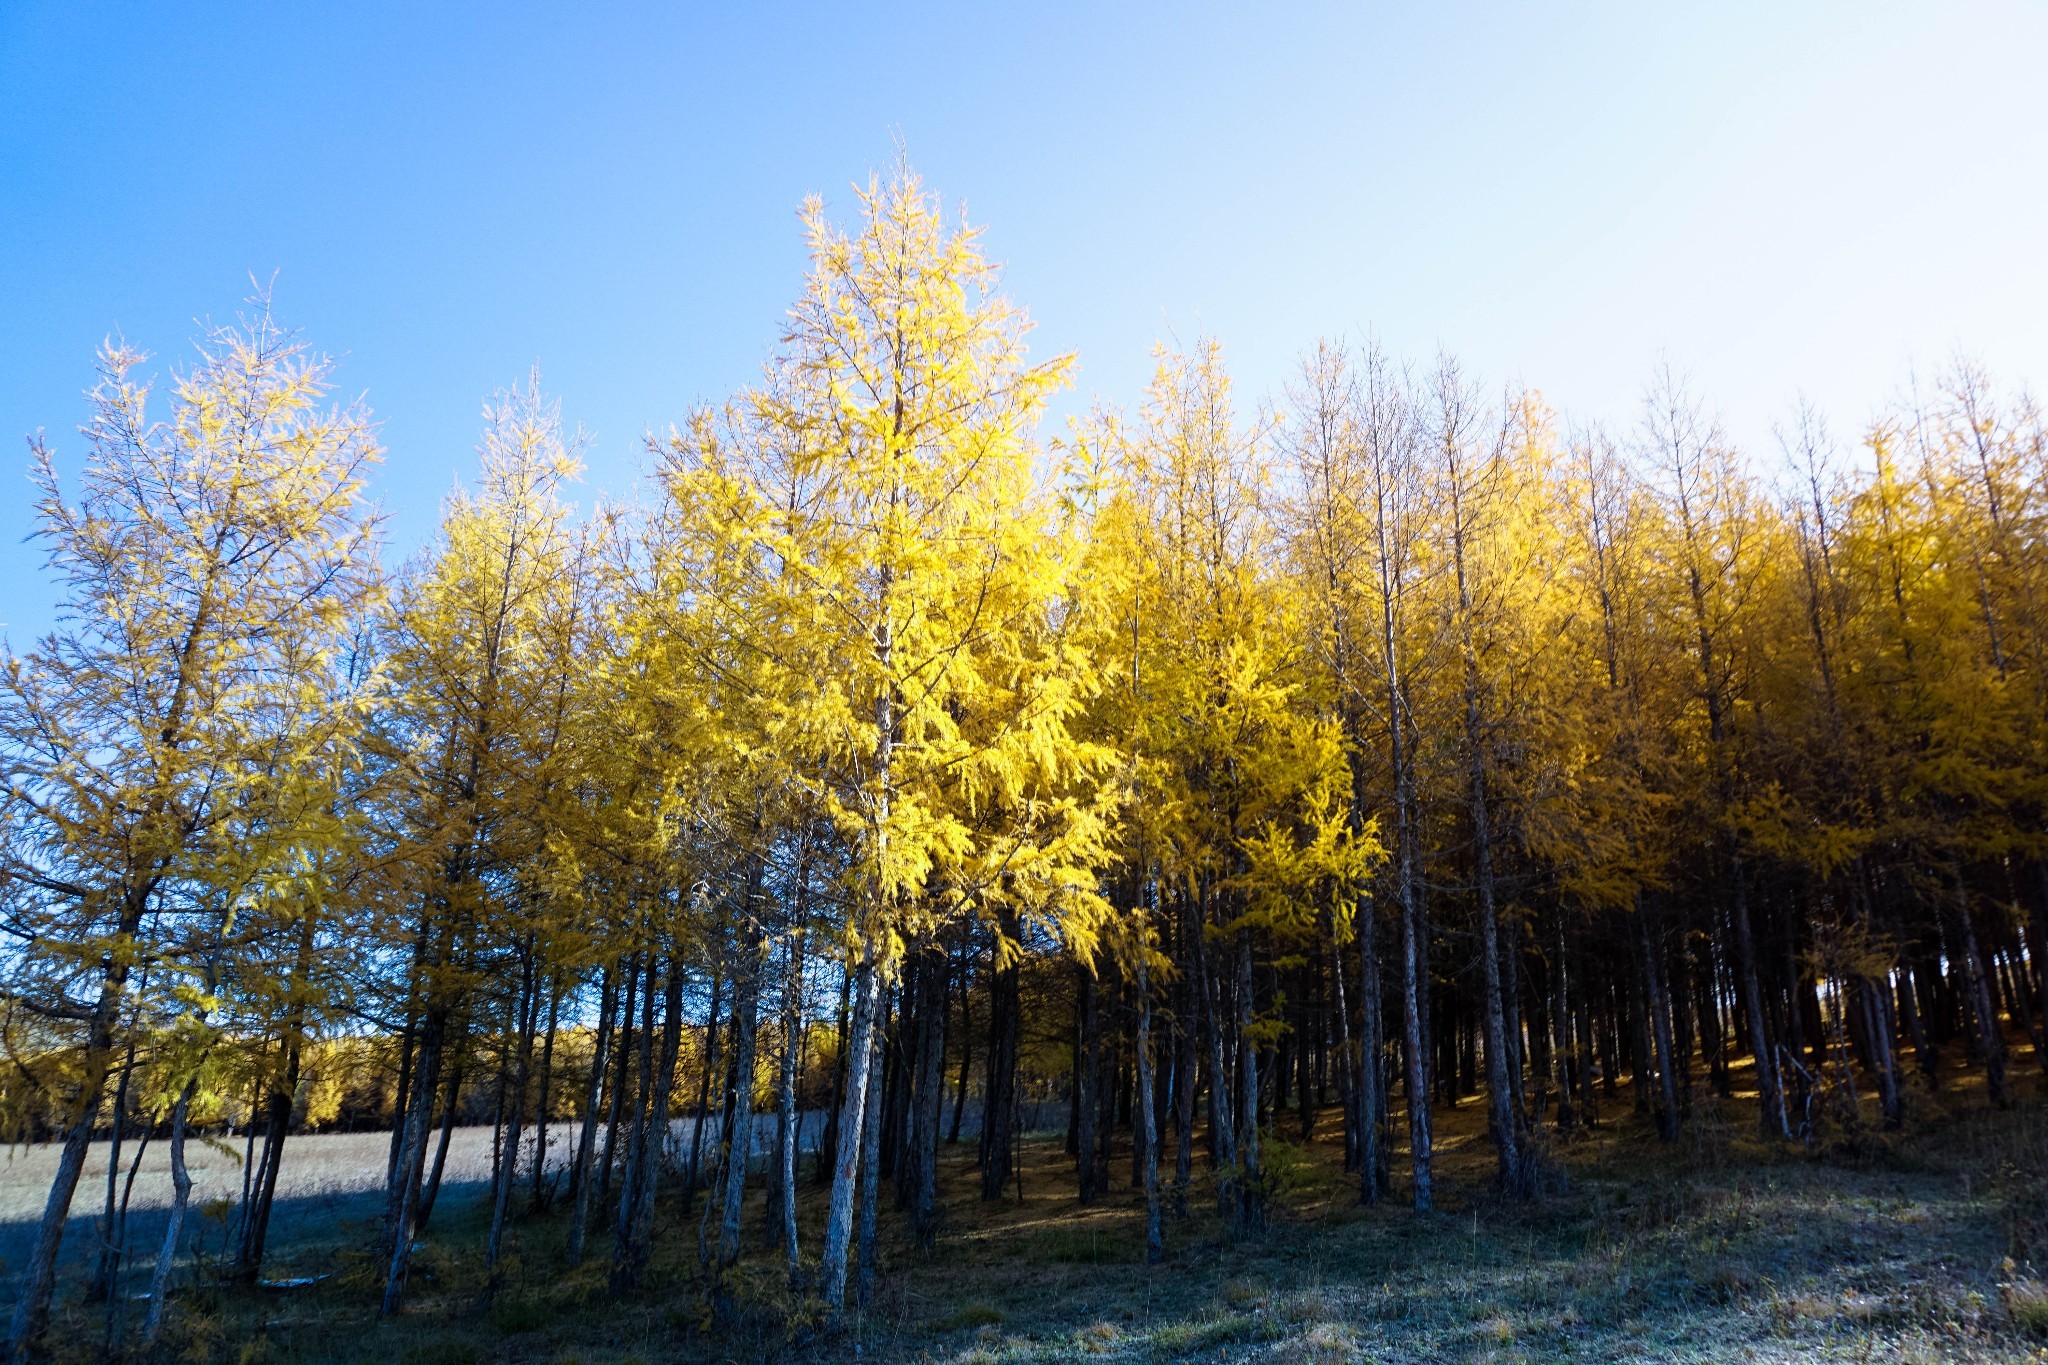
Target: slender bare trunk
[[745, 1030], [174, 1226], [926, 1091], [870, 1180], [507, 1174], [1660, 1029], [790, 1122], [593, 1096], [852, 1125], [1148, 1127], [450, 1110]]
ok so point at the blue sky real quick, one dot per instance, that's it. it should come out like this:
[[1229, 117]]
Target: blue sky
[[1777, 198]]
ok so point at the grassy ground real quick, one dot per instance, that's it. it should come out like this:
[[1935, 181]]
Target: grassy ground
[[1928, 1246], [327, 1179]]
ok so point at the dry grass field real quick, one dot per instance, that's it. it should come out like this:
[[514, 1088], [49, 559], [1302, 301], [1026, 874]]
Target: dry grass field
[[329, 1182], [1928, 1246]]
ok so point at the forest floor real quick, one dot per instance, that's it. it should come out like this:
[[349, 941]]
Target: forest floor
[[1929, 1245]]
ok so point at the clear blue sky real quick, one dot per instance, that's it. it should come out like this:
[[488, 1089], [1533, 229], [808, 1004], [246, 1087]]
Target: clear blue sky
[[1775, 197]]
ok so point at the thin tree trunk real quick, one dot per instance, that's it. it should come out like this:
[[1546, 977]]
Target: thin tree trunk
[[1564, 1048], [1148, 1127], [2037, 950], [542, 1192], [1251, 1190], [1184, 1066], [1499, 1088], [927, 1087], [174, 1227], [791, 1125], [403, 1203], [116, 1314], [1660, 1029], [32, 1308], [1990, 1036], [745, 1028], [110, 1248], [636, 1134], [966, 1034], [1222, 1126], [852, 1125], [1414, 970], [277, 1120], [828, 1141], [507, 1174], [615, 1107], [870, 1181], [1087, 1078], [593, 1096], [704, 1082], [450, 1108], [999, 1106], [1771, 1116], [637, 1222]]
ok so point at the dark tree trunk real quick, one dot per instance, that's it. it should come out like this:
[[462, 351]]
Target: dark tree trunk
[[1660, 1028], [636, 1222], [1087, 1077], [593, 1097], [927, 1090], [746, 1010], [999, 1111], [966, 1034]]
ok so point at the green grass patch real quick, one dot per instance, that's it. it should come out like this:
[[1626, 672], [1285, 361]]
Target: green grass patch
[[1206, 1334], [975, 1313]]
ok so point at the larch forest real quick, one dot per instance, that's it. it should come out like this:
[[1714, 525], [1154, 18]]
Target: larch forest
[[1206, 801]]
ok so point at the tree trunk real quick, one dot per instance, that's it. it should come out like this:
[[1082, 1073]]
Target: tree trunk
[[1771, 1116], [1222, 1125], [789, 1124], [828, 1141], [402, 1203], [543, 1192], [966, 1036], [1148, 1128], [593, 1098], [174, 1226], [1502, 1117], [636, 1222], [109, 1263], [32, 1309], [999, 1107], [870, 1182], [1563, 1046], [1184, 1065], [1660, 1029], [2037, 951], [432, 1190], [926, 1091], [1990, 1036], [852, 1125], [740, 1101], [1251, 1188], [615, 1108], [277, 1119], [507, 1174], [1087, 1077], [704, 1082], [1414, 974]]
